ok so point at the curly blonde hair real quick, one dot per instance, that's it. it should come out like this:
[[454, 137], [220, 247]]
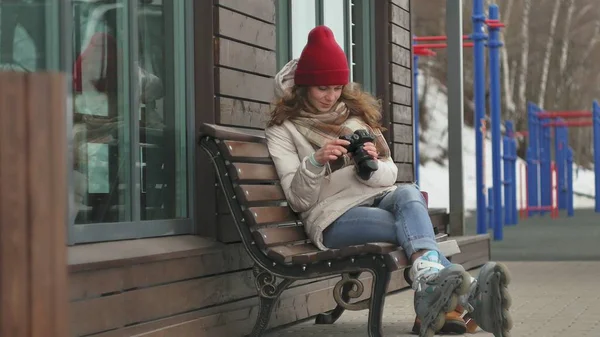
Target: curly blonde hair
[[359, 103]]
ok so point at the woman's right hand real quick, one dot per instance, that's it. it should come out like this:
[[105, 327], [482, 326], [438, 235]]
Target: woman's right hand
[[331, 151]]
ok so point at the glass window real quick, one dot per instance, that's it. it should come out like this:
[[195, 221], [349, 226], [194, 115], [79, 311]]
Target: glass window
[[23, 35], [126, 61], [303, 19], [304, 15], [129, 113]]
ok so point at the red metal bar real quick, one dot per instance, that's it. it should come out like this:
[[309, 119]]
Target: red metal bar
[[495, 23], [436, 38], [570, 123], [564, 114], [440, 45], [423, 52]]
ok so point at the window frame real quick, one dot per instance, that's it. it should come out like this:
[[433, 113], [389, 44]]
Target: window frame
[[358, 36], [60, 18]]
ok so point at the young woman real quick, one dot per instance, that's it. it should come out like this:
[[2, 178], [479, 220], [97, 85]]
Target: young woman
[[341, 207]]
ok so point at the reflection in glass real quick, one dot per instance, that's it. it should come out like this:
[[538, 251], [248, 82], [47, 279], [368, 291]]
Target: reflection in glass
[[101, 113], [162, 114], [127, 84]]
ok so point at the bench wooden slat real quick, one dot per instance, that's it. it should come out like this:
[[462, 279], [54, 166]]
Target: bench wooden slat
[[253, 172], [284, 254], [257, 193], [279, 236], [233, 150], [232, 133], [311, 256], [259, 216]]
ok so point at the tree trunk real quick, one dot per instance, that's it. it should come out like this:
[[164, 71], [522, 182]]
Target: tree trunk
[[548, 54], [524, 59], [565, 48], [509, 101]]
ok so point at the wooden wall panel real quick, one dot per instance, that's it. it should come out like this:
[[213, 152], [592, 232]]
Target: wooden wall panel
[[401, 95], [402, 114], [403, 134], [245, 85], [260, 9], [33, 205], [401, 75], [401, 17], [244, 57], [400, 36], [401, 56], [401, 91], [404, 4], [403, 153], [240, 27]]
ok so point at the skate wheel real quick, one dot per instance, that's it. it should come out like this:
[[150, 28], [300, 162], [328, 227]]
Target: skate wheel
[[451, 304], [439, 321], [505, 274], [506, 298], [427, 333], [507, 323], [465, 284]]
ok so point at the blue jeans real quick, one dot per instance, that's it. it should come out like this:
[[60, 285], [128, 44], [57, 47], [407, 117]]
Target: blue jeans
[[399, 217]]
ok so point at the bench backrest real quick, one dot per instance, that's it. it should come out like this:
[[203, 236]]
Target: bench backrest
[[271, 222]]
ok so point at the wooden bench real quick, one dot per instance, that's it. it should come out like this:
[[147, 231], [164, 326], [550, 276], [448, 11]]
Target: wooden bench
[[274, 236]]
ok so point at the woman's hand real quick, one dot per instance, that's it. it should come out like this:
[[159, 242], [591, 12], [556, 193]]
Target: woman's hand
[[331, 151], [371, 150]]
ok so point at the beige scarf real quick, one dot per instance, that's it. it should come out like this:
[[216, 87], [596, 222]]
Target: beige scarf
[[323, 127]]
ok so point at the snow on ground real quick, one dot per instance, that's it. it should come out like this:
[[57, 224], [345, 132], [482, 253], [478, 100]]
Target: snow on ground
[[434, 177]]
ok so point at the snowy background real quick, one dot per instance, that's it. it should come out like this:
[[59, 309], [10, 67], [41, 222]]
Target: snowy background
[[434, 175]]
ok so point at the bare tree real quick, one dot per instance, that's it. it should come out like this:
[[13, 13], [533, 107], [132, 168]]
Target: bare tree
[[565, 46], [548, 54], [507, 85], [522, 101]]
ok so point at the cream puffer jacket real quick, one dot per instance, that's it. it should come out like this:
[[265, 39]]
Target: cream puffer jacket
[[320, 198], [318, 195]]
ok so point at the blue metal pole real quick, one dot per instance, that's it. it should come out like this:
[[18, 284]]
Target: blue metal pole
[[510, 174], [507, 185], [596, 119], [557, 159], [569, 196], [416, 117], [532, 159], [564, 156], [478, 37], [513, 144], [546, 168], [490, 206], [494, 45]]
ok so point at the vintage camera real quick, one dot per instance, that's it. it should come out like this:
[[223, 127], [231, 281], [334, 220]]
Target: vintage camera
[[365, 164]]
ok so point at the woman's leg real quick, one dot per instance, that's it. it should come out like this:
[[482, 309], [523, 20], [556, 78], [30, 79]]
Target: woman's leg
[[361, 225], [437, 282], [413, 224]]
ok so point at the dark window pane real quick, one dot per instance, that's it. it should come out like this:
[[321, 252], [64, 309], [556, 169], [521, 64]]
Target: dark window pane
[[162, 99], [101, 123]]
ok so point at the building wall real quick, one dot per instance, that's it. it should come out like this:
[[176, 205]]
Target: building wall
[[400, 64], [208, 289]]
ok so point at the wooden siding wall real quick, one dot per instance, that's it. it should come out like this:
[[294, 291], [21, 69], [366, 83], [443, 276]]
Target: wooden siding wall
[[33, 205], [401, 96]]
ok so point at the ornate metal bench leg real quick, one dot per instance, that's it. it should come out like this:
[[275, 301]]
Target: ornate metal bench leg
[[381, 279], [333, 315], [268, 292]]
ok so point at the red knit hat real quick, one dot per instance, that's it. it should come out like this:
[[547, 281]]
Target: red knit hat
[[323, 61]]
